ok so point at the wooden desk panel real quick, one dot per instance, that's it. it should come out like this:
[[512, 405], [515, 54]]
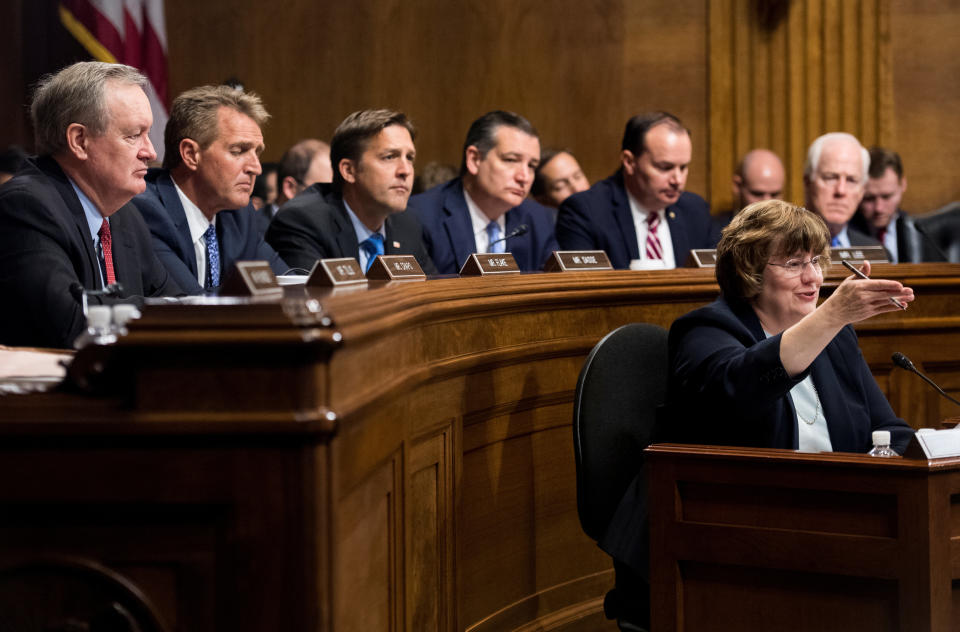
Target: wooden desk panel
[[410, 441]]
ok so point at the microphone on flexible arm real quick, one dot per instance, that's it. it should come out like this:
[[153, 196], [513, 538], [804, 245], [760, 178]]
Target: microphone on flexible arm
[[516, 232], [904, 362], [80, 293]]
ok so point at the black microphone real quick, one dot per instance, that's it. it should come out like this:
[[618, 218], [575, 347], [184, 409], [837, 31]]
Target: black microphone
[[904, 362], [516, 232]]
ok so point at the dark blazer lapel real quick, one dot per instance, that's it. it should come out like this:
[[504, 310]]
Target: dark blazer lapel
[[345, 235], [458, 225], [678, 234], [126, 264], [519, 246], [171, 202], [622, 214], [830, 392], [91, 262], [395, 239]]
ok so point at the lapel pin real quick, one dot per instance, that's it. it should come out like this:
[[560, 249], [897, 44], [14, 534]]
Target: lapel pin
[[396, 244]]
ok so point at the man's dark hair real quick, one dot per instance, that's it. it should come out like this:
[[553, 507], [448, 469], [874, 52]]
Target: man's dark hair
[[483, 132], [260, 184], [882, 159], [296, 161], [353, 135], [546, 155], [635, 135]]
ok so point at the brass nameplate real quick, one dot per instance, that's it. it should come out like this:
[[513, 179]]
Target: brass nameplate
[[396, 268], [859, 254], [573, 260], [702, 258], [251, 278], [482, 264], [336, 272]]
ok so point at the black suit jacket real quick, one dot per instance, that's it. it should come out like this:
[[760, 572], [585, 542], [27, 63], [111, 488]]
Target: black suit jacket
[[315, 225], [600, 219], [448, 229], [46, 249], [912, 245], [238, 235], [727, 386]]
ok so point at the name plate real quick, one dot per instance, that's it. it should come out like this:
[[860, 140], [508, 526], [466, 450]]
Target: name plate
[[571, 260], [336, 272], [873, 254], [396, 268], [482, 264], [927, 443], [702, 258], [251, 278]]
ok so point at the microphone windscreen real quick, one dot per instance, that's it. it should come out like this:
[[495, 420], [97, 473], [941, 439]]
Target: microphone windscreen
[[902, 361]]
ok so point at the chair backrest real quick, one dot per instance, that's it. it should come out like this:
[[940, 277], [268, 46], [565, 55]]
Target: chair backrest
[[621, 385], [943, 228]]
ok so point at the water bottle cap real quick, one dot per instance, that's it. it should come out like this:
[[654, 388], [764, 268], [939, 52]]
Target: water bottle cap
[[98, 316], [881, 437], [124, 313]]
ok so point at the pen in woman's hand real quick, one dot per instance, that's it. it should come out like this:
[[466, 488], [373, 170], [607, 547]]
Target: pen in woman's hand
[[854, 269]]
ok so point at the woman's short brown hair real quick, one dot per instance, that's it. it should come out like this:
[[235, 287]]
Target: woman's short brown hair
[[762, 230]]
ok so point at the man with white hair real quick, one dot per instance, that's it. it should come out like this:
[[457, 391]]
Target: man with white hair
[[834, 180], [66, 224]]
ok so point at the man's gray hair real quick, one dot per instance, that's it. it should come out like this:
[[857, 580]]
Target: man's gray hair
[[816, 149], [75, 94]]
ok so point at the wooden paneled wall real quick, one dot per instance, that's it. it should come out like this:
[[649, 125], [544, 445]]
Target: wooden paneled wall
[[782, 73], [740, 73]]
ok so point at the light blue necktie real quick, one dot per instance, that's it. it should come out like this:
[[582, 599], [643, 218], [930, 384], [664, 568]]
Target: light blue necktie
[[213, 258], [373, 246], [493, 232]]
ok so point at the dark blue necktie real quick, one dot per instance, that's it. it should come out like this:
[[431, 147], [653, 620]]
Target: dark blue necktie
[[213, 258]]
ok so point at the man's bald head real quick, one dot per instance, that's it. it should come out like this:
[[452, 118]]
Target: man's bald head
[[759, 176]]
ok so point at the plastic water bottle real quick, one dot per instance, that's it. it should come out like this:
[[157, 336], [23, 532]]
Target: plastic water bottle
[[881, 444], [98, 331]]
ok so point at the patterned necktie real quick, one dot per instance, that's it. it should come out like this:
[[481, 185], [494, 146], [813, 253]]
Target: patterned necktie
[[213, 258], [493, 233], [654, 249], [106, 247], [373, 246]]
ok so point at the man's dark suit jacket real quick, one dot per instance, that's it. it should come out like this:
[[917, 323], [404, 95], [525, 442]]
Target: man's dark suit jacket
[[237, 234], [912, 245], [727, 386], [600, 219], [448, 229], [46, 255], [315, 225]]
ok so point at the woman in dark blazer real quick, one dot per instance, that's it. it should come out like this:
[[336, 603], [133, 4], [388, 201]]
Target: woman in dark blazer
[[764, 365]]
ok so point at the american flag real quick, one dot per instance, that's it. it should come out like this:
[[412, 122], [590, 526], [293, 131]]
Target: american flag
[[129, 32]]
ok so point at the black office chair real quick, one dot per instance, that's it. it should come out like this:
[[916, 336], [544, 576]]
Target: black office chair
[[942, 227], [621, 385]]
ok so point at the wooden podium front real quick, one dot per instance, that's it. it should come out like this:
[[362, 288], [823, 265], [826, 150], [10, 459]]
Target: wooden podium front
[[396, 457], [751, 539]]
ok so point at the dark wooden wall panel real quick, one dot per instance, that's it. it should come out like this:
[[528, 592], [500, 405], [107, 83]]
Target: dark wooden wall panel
[[740, 73]]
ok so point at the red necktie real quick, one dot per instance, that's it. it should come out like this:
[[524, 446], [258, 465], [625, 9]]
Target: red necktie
[[106, 245], [654, 249]]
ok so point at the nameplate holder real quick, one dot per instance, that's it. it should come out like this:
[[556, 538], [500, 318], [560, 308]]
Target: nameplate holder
[[336, 273], [859, 254], [250, 278], [396, 268], [927, 443], [702, 258], [577, 260], [489, 263]]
